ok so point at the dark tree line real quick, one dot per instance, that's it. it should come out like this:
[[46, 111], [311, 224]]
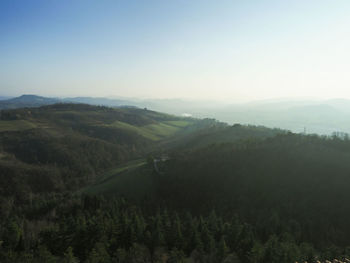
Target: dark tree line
[[93, 229]]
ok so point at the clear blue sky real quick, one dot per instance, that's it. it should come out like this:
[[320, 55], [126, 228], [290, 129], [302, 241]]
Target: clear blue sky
[[236, 50]]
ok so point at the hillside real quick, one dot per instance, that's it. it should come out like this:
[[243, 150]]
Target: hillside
[[137, 184], [68, 145], [273, 183], [123, 179], [300, 178], [288, 187]]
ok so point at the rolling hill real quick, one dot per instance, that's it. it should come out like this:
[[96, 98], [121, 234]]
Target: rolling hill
[[312, 116], [238, 193], [26, 101], [76, 142]]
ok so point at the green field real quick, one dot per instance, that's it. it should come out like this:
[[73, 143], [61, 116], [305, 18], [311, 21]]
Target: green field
[[129, 180], [154, 132], [16, 125], [178, 123]]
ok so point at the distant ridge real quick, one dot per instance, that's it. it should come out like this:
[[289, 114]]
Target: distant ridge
[[5, 98], [317, 116], [27, 100], [31, 100]]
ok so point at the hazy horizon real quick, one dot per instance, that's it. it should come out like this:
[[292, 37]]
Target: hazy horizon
[[224, 51], [185, 99]]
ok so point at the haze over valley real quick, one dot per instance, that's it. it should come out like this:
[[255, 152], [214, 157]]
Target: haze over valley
[[193, 131], [322, 117]]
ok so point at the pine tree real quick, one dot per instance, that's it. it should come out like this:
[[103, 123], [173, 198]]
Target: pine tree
[[256, 254], [245, 240], [158, 235], [234, 231], [120, 256], [139, 227], [45, 256], [176, 233], [99, 254], [167, 228], [69, 256], [213, 224], [211, 246], [206, 236], [176, 256], [131, 235], [13, 234], [139, 254], [222, 249], [273, 252], [197, 241]]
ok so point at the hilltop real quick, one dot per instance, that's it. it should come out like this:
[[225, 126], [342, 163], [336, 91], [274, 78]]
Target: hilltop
[[26, 101]]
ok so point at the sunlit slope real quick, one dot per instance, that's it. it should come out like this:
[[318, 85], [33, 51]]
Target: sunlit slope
[[16, 125], [154, 132], [93, 121], [220, 133], [78, 142], [133, 180]]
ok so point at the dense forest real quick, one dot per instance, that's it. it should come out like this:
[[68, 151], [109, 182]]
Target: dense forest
[[286, 182], [84, 183], [94, 229]]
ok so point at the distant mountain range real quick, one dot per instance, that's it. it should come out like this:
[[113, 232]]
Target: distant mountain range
[[26, 101], [36, 101], [312, 116], [175, 106], [5, 97], [322, 117]]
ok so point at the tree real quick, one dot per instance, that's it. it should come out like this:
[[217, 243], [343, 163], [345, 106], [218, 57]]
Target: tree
[[120, 255], [99, 254], [222, 249], [176, 233], [13, 234], [44, 255], [176, 256], [158, 232], [139, 254], [256, 254], [69, 257]]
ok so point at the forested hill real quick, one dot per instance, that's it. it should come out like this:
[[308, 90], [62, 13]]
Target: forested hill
[[64, 146], [288, 184], [82, 183], [290, 189]]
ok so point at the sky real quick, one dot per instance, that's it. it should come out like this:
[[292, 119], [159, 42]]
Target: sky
[[222, 50]]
